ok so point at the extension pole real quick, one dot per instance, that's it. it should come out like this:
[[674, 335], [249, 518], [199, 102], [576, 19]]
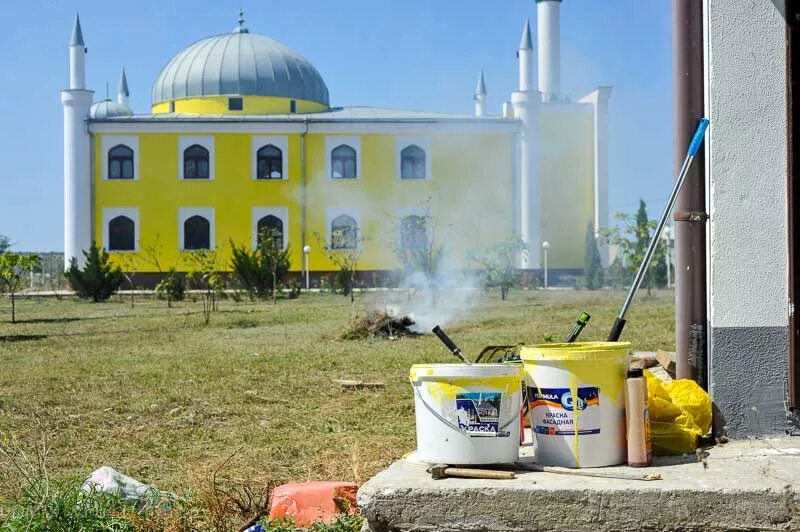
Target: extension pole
[[697, 140]]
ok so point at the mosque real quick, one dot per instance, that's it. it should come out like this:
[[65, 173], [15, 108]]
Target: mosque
[[241, 137]]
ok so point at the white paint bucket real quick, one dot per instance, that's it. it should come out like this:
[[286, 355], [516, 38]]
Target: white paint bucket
[[467, 414], [577, 403]]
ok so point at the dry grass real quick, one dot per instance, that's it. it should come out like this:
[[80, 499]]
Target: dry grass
[[155, 394]]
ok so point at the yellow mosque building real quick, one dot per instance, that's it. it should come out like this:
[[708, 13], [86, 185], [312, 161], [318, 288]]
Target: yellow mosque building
[[241, 136]]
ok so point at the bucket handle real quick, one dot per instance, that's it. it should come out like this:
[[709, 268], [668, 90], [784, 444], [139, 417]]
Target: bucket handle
[[459, 429]]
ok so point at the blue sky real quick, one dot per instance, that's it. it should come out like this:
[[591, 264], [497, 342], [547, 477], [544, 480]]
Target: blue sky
[[414, 54]]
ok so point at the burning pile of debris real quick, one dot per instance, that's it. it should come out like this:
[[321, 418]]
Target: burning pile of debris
[[381, 324]]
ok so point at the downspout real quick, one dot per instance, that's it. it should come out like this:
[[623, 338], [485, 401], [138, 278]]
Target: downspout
[[303, 196], [691, 315]]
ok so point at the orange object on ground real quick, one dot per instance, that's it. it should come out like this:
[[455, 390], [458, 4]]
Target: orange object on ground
[[311, 502]]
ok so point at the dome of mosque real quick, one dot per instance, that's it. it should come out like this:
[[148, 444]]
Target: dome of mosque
[[239, 63], [109, 109]]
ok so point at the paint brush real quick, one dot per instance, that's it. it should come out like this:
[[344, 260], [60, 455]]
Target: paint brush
[[579, 326], [450, 344]]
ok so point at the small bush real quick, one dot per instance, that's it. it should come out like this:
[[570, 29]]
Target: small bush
[[262, 270], [99, 279], [172, 287]]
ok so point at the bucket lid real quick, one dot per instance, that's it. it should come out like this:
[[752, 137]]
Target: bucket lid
[[456, 371], [587, 351]]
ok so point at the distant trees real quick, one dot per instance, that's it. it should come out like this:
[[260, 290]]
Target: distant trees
[[5, 243], [592, 265], [98, 279], [12, 268]]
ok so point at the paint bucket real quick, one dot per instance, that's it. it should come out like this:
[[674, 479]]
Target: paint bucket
[[576, 401], [467, 414]]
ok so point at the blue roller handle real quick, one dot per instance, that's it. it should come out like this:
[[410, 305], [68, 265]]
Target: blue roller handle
[[697, 140]]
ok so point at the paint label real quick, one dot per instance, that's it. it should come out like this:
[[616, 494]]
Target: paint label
[[480, 413], [555, 412]]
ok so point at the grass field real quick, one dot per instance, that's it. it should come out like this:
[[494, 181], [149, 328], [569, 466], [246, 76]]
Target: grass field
[[156, 394]]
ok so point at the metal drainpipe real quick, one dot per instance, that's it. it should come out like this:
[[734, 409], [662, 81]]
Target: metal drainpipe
[[303, 197], [690, 216]]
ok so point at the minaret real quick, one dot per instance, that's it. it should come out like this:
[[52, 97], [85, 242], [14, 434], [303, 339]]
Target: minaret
[[77, 173], [480, 96], [123, 94], [548, 30], [525, 103]]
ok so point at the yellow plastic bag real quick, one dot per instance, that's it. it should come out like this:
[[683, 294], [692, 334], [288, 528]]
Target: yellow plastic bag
[[680, 412]]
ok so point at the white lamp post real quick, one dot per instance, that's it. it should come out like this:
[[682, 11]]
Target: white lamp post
[[667, 236], [545, 247], [306, 252]]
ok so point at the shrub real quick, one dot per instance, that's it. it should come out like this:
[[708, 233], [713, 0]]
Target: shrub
[[172, 287], [260, 271], [99, 279]]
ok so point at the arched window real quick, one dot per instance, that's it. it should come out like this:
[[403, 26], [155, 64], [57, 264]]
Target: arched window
[[270, 162], [413, 234], [121, 234], [343, 162], [412, 162], [195, 162], [120, 162], [344, 232], [270, 227], [196, 233]]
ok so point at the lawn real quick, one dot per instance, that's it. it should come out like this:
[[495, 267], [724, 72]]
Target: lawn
[[156, 394]]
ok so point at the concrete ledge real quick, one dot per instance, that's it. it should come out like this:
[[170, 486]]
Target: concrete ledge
[[743, 485]]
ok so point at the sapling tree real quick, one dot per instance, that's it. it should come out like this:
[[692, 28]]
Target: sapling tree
[[172, 285], [344, 249], [416, 246], [498, 262], [204, 276], [262, 270], [12, 268], [130, 266], [99, 279]]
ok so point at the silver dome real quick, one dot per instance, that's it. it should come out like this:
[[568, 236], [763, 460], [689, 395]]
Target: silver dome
[[239, 63], [109, 109]]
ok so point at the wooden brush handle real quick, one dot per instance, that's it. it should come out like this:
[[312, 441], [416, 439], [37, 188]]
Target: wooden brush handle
[[462, 472]]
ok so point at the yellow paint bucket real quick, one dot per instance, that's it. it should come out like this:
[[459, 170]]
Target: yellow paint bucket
[[576, 402], [467, 414]]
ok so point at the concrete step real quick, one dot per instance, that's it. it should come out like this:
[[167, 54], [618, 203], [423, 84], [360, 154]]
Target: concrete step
[[742, 485]]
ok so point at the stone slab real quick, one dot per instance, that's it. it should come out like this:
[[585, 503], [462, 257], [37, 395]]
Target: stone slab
[[742, 485]]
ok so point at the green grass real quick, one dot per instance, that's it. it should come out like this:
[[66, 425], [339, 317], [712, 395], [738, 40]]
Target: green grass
[[157, 395]]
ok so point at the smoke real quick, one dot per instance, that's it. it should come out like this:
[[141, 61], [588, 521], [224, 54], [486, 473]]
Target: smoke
[[439, 298]]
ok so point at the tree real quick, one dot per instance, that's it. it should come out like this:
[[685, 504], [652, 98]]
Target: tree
[[12, 268], [417, 250], [592, 265], [262, 270], [129, 270], [498, 261], [632, 239], [204, 276], [344, 250], [171, 287], [5, 243], [99, 279]]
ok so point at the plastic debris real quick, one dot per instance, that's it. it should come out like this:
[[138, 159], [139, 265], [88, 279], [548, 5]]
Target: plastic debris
[[680, 413], [312, 502], [108, 480]]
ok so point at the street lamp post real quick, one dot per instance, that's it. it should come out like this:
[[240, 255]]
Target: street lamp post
[[306, 253], [667, 241], [545, 247]]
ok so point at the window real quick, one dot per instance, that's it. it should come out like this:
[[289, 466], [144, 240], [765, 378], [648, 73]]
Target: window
[[195, 162], [171, 107], [413, 234], [121, 234], [120, 162], [271, 227], [344, 232], [412, 162], [293, 106], [343, 162], [270, 163], [235, 104], [196, 233]]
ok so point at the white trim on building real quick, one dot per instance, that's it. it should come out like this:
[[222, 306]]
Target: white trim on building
[[282, 213], [110, 141], [279, 141], [109, 213], [207, 142], [334, 142], [403, 142], [184, 213]]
